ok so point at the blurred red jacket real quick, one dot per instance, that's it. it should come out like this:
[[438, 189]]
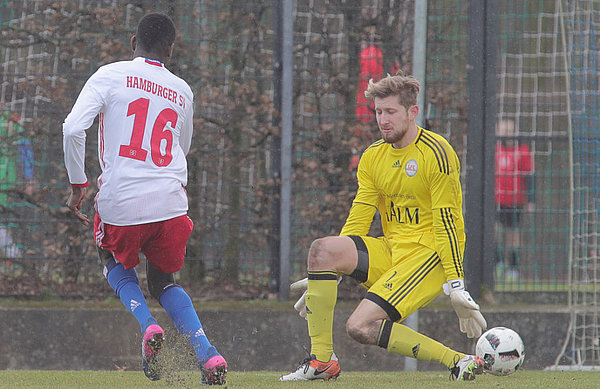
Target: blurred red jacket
[[514, 165], [371, 66]]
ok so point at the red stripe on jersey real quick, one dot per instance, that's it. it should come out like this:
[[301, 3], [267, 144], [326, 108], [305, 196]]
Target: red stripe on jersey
[[154, 62], [101, 128], [101, 151]]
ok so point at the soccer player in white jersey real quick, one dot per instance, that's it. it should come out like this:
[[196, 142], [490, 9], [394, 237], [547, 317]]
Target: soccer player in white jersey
[[145, 129]]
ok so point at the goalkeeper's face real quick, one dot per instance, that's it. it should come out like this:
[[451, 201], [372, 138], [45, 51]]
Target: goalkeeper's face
[[396, 123]]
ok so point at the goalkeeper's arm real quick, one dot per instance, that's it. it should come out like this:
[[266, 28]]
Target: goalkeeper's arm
[[449, 248]]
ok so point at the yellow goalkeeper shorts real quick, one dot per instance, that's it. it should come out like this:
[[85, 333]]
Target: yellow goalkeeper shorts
[[374, 259], [413, 278]]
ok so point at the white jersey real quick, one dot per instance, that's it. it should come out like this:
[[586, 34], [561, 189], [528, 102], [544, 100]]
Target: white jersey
[[145, 131]]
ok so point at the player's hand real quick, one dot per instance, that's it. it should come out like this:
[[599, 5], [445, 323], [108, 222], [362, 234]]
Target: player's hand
[[470, 319], [74, 203], [300, 305]]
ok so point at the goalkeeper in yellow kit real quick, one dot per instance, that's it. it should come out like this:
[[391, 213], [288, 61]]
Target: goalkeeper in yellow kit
[[411, 176]]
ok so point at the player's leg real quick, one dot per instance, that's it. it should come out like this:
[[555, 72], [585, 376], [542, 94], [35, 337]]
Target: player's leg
[[414, 282], [502, 225], [370, 324], [178, 305], [374, 320], [513, 243], [166, 252], [124, 242], [329, 257], [126, 285]]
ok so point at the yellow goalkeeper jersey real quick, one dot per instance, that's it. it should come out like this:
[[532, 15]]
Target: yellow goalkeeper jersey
[[418, 194]]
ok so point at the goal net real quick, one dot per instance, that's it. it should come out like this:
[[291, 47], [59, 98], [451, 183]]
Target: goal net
[[548, 89], [580, 29]]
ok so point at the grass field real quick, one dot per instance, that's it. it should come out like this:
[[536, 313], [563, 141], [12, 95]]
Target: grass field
[[255, 380]]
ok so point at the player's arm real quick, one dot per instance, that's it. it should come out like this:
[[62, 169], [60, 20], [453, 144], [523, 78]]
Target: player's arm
[[86, 107], [446, 210], [365, 202], [185, 138], [449, 239], [359, 219]]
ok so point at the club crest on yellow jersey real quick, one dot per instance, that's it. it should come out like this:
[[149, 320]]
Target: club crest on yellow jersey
[[411, 168]]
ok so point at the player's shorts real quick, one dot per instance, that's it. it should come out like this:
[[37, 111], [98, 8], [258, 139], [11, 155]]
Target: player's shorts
[[401, 279], [374, 259], [163, 243], [509, 216]]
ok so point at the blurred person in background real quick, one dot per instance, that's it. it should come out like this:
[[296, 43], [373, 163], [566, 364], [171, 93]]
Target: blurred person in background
[[16, 176], [412, 177], [145, 130], [370, 66], [514, 196]]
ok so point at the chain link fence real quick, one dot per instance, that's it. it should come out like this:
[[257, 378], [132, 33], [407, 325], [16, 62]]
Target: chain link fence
[[226, 51]]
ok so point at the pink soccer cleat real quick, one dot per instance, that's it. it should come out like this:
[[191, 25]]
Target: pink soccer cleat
[[214, 371], [151, 345]]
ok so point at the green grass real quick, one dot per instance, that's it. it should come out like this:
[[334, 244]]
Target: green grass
[[255, 380]]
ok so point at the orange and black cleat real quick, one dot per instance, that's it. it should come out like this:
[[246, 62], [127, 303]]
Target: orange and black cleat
[[313, 369]]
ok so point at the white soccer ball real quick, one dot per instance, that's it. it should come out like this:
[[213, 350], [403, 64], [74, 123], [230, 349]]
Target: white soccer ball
[[501, 349]]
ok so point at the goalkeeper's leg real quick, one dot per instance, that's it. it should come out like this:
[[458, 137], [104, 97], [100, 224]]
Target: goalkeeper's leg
[[327, 258], [369, 324], [399, 339], [414, 282], [366, 326], [362, 258]]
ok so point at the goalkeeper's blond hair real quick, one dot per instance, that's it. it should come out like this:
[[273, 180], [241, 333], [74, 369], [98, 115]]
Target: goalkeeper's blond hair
[[405, 87]]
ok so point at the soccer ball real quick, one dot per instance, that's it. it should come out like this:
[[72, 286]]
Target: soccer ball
[[501, 350]]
